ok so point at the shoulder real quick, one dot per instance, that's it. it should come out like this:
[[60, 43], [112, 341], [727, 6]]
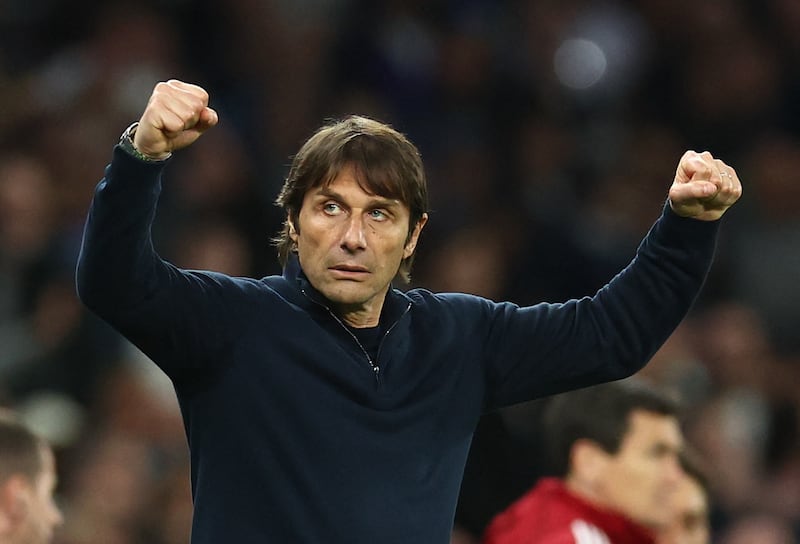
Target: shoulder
[[465, 311], [234, 288], [228, 282], [460, 307], [448, 301], [543, 513]]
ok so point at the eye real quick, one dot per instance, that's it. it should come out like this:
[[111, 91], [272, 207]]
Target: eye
[[378, 215], [331, 208]]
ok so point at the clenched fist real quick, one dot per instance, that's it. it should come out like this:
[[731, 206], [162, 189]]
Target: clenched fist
[[704, 187], [176, 115]]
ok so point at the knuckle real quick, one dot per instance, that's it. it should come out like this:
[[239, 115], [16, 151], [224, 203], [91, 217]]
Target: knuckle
[[161, 88]]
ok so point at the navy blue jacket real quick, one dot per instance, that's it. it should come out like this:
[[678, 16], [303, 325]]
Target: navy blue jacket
[[294, 438]]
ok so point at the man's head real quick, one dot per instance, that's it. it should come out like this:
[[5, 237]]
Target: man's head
[[617, 445], [356, 201], [28, 514], [386, 162], [689, 506]]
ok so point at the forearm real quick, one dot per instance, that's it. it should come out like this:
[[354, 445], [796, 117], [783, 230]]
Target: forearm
[[643, 305], [550, 348]]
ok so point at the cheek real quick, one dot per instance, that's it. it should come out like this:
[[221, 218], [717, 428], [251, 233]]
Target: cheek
[[312, 237], [632, 477], [398, 253]]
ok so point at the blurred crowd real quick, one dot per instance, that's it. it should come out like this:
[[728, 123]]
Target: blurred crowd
[[550, 130]]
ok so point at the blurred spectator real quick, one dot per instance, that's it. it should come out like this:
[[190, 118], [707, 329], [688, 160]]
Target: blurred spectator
[[771, 236], [690, 509], [108, 490], [615, 457], [28, 513], [758, 528]]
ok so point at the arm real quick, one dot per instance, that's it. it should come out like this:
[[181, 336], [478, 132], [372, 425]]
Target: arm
[[119, 275], [550, 348]]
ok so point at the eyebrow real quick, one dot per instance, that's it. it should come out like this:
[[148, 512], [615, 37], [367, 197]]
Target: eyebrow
[[666, 447], [375, 201]]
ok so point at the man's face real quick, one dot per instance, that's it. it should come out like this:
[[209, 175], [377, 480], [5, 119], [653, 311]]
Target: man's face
[[640, 479], [690, 515], [350, 244], [42, 513]]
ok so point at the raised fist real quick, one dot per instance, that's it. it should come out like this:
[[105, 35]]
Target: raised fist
[[176, 115]]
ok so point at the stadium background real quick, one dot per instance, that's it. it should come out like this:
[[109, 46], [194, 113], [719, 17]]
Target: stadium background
[[550, 130]]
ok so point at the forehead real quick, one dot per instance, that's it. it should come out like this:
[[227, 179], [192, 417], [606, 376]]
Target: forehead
[[349, 182], [373, 179]]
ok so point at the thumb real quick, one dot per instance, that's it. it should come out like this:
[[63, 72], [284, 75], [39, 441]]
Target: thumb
[[692, 190], [208, 118]]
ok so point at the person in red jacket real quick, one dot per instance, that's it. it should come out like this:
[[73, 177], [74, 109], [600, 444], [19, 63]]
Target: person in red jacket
[[616, 458]]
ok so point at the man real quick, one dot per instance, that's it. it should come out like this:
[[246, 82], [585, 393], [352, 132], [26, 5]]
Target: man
[[28, 514], [689, 506], [616, 458], [323, 405]]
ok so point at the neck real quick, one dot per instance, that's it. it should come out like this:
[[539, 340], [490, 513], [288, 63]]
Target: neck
[[587, 492], [582, 489], [360, 317]]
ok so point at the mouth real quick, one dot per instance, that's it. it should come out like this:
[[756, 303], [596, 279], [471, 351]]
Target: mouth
[[349, 271]]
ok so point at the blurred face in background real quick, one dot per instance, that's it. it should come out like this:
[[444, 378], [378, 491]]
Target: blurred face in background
[[642, 476], [690, 510], [37, 514]]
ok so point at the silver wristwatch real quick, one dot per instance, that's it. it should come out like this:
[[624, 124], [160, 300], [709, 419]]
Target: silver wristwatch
[[126, 143]]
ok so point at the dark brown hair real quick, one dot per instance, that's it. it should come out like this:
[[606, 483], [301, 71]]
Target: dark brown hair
[[386, 164], [601, 414]]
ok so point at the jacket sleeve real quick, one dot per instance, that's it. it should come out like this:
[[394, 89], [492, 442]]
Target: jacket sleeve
[[550, 348], [176, 317]]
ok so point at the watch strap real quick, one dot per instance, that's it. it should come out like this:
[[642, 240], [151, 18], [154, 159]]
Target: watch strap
[[126, 143]]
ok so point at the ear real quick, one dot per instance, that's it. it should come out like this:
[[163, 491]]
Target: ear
[[14, 499], [292, 229], [6, 508], [588, 461], [411, 245]]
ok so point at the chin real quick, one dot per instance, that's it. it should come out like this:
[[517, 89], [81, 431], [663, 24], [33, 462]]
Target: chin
[[347, 295]]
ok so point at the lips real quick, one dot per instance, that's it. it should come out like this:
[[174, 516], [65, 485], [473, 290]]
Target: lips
[[349, 272], [350, 268]]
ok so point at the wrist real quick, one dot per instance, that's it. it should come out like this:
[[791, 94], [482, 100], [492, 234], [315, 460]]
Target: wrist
[[127, 144]]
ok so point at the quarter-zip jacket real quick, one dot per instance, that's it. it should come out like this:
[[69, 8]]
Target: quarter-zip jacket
[[293, 436]]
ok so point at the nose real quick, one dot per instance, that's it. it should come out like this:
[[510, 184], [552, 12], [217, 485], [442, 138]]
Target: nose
[[673, 470], [56, 516], [354, 236]]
